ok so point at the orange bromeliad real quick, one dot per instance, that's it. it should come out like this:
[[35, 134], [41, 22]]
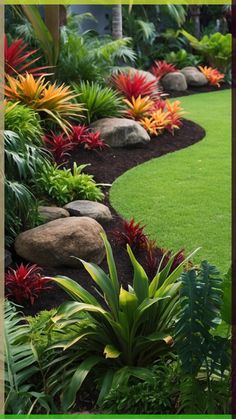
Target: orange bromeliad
[[139, 107], [53, 100], [213, 75]]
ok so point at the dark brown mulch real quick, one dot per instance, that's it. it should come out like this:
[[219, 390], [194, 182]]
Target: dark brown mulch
[[106, 166]]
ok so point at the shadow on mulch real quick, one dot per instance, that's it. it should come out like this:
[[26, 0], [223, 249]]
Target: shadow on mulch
[[106, 166]]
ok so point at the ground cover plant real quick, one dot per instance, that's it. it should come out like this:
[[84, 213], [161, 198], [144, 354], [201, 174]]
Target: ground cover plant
[[201, 166]]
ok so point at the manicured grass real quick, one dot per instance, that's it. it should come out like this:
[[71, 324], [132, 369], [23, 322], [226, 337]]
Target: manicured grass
[[185, 197]]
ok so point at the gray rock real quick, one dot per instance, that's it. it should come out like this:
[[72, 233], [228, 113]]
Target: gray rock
[[95, 210], [8, 258], [194, 77], [54, 243], [121, 132], [52, 213], [174, 81], [149, 76]]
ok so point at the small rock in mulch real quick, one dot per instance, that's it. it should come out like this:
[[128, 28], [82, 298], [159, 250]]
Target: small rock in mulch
[[95, 210], [194, 77], [121, 132], [60, 242], [8, 258], [174, 81], [52, 213]]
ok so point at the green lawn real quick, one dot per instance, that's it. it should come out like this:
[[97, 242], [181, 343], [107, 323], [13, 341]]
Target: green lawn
[[185, 197]]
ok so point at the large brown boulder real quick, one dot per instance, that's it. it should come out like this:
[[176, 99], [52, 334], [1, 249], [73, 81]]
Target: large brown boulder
[[174, 81], [52, 213], [194, 77], [121, 132], [54, 243], [96, 210]]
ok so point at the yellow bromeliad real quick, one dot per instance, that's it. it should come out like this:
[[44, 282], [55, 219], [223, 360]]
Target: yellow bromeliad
[[157, 122], [139, 107], [55, 101]]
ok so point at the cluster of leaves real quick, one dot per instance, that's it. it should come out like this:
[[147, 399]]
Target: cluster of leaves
[[22, 161], [133, 84], [61, 145], [25, 283], [215, 48], [161, 68], [155, 116], [149, 397], [119, 338], [17, 57], [132, 234], [182, 58], [99, 102], [213, 76], [204, 355], [21, 367], [65, 185], [51, 101], [24, 121]]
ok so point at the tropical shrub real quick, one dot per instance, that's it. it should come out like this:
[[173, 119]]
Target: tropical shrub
[[21, 367], [215, 48], [213, 76], [21, 163], [135, 84], [51, 101], [25, 283], [91, 58], [17, 57], [121, 337], [100, 102], [205, 356], [24, 121], [66, 185], [161, 68], [139, 107], [148, 397], [182, 58]]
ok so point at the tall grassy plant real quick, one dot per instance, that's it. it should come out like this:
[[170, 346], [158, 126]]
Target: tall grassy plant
[[121, 336], [100, 102]]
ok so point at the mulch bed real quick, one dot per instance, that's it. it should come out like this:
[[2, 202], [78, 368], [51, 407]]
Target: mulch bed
[[106, 166], [196, 90]]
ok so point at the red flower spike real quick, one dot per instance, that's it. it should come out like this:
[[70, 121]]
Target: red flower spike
[[134, 84], [25, 283], [161, 68], [16, 59]]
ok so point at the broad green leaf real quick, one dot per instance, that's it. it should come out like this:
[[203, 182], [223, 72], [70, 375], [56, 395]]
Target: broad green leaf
[[75, 290], [69, 396], [140, 280], [128, 303], [111, 264]]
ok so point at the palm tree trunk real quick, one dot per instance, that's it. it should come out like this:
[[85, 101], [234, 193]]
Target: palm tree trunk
[[117, 32], [195, 12]]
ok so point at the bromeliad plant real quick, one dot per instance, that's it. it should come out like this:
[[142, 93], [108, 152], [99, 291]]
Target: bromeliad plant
[[50, 100], [161, 68], [139, 107], [120, 337], [25, 283], [213, 76], [135, 84], [131, 233], [17, 59]]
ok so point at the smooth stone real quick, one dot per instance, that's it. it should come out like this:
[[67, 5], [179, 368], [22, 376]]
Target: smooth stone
[[174, 81], [95, 210]]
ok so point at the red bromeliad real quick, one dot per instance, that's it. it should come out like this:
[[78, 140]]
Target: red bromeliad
[[59, 145], [25, 283], [131, 233], [16, 58], [93, 141], [134, 84], [78, 133], [161, 68]]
